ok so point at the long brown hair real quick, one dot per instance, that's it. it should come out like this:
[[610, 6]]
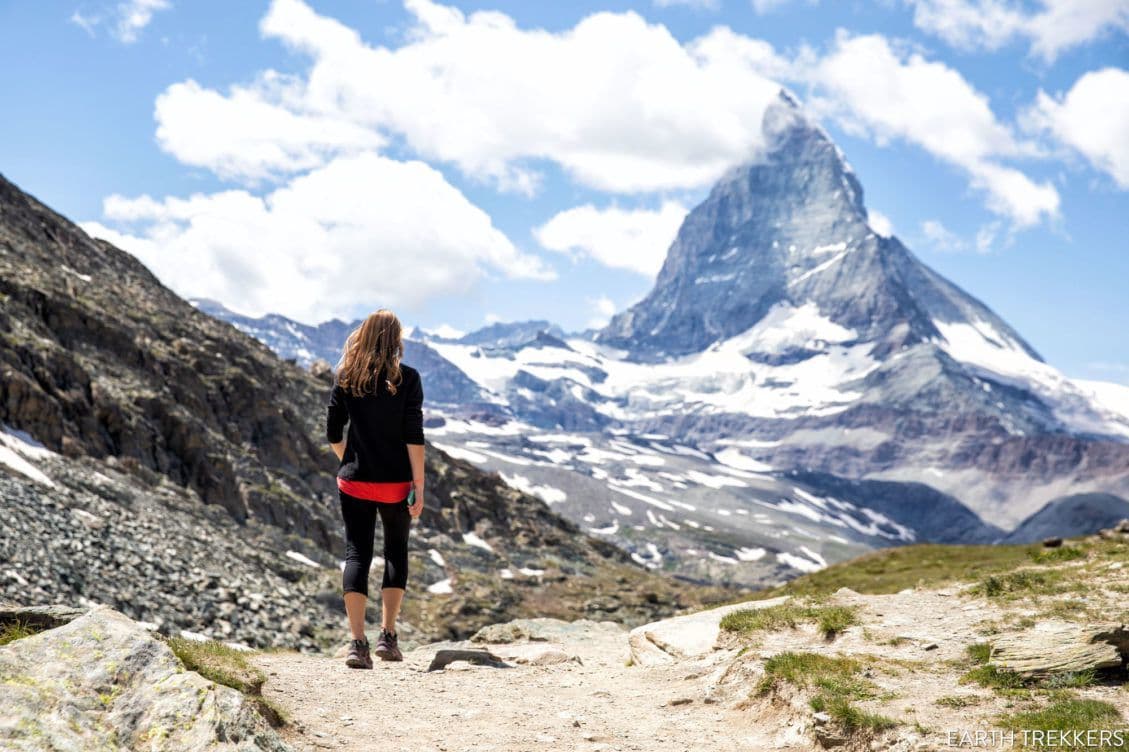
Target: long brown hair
[[374, 346]]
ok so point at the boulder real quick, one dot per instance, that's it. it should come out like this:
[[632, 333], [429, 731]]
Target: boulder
[[686, 636], [544, 629], [102, 681], [39, 617], [1061, 648]]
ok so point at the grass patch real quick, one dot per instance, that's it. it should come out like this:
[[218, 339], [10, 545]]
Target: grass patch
[[831, 620], [837, 675], [229, 667], [1071, 680], [838, 682], [15, 630], [993, 678], [1023, 582], [958, 701], [850, 716], [1067, 714], [1062, 553], [979, 653]]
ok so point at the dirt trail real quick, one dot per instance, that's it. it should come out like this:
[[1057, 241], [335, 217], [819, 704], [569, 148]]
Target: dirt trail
[[599, 703], [578, 690]]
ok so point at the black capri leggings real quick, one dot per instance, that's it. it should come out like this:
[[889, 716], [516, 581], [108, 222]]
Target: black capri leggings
[[360, 529]]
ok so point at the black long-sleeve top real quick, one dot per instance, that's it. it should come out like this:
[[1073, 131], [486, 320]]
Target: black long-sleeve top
[[381, 426]]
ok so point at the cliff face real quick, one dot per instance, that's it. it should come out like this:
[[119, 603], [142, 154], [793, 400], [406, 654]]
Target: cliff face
[[99, 359]]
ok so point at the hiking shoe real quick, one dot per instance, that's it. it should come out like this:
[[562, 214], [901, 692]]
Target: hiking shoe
[[387, 648], [359, 656]]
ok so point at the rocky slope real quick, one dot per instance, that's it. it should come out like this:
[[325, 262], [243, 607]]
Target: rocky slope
[[148, 451]]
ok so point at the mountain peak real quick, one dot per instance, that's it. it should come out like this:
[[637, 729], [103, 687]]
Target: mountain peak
[[766, 226], [787, 234]]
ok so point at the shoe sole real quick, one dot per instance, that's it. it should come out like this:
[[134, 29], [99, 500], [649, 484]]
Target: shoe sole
[[389, 655], [356, 663]]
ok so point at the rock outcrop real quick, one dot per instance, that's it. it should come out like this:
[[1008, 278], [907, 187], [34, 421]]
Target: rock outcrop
[[102, 681]]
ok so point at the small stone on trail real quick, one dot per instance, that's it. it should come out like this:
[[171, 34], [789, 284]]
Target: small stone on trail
[[480, 657], [682, 701], [931, 646]]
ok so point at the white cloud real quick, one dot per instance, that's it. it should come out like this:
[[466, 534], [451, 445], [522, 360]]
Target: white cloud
[[362, 231], [879, 222], [873, 89], [617, 102], [249, 133], [1092, 118], [124, 20], [633, 239], [1056, 26], [604, 308], [940, 237]]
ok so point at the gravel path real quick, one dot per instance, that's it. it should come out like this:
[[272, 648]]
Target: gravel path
[[598, 703]]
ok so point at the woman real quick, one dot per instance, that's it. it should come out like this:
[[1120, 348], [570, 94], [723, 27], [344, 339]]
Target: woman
[[381, 471]]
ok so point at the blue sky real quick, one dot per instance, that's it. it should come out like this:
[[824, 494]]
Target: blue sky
[[533, 160]]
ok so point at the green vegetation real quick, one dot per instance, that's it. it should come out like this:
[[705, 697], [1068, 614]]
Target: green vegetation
[[15, 630], [1062, 553], [1071, 680], [979, 653], [1021, 583], [1068, 714], [993, 678], [923, 565], [850, 716], [959, 701], [831, 619], [223, 665], [837, 675], [838, 681]]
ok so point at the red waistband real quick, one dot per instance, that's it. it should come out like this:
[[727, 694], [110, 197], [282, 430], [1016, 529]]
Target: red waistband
[[371, 491]]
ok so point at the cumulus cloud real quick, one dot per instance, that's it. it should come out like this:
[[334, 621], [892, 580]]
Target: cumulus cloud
[[633, 239], [1056, 26], [875, 90], [617, 102], [124, 20], [363, 231], [1092, 118], [249, 133]]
